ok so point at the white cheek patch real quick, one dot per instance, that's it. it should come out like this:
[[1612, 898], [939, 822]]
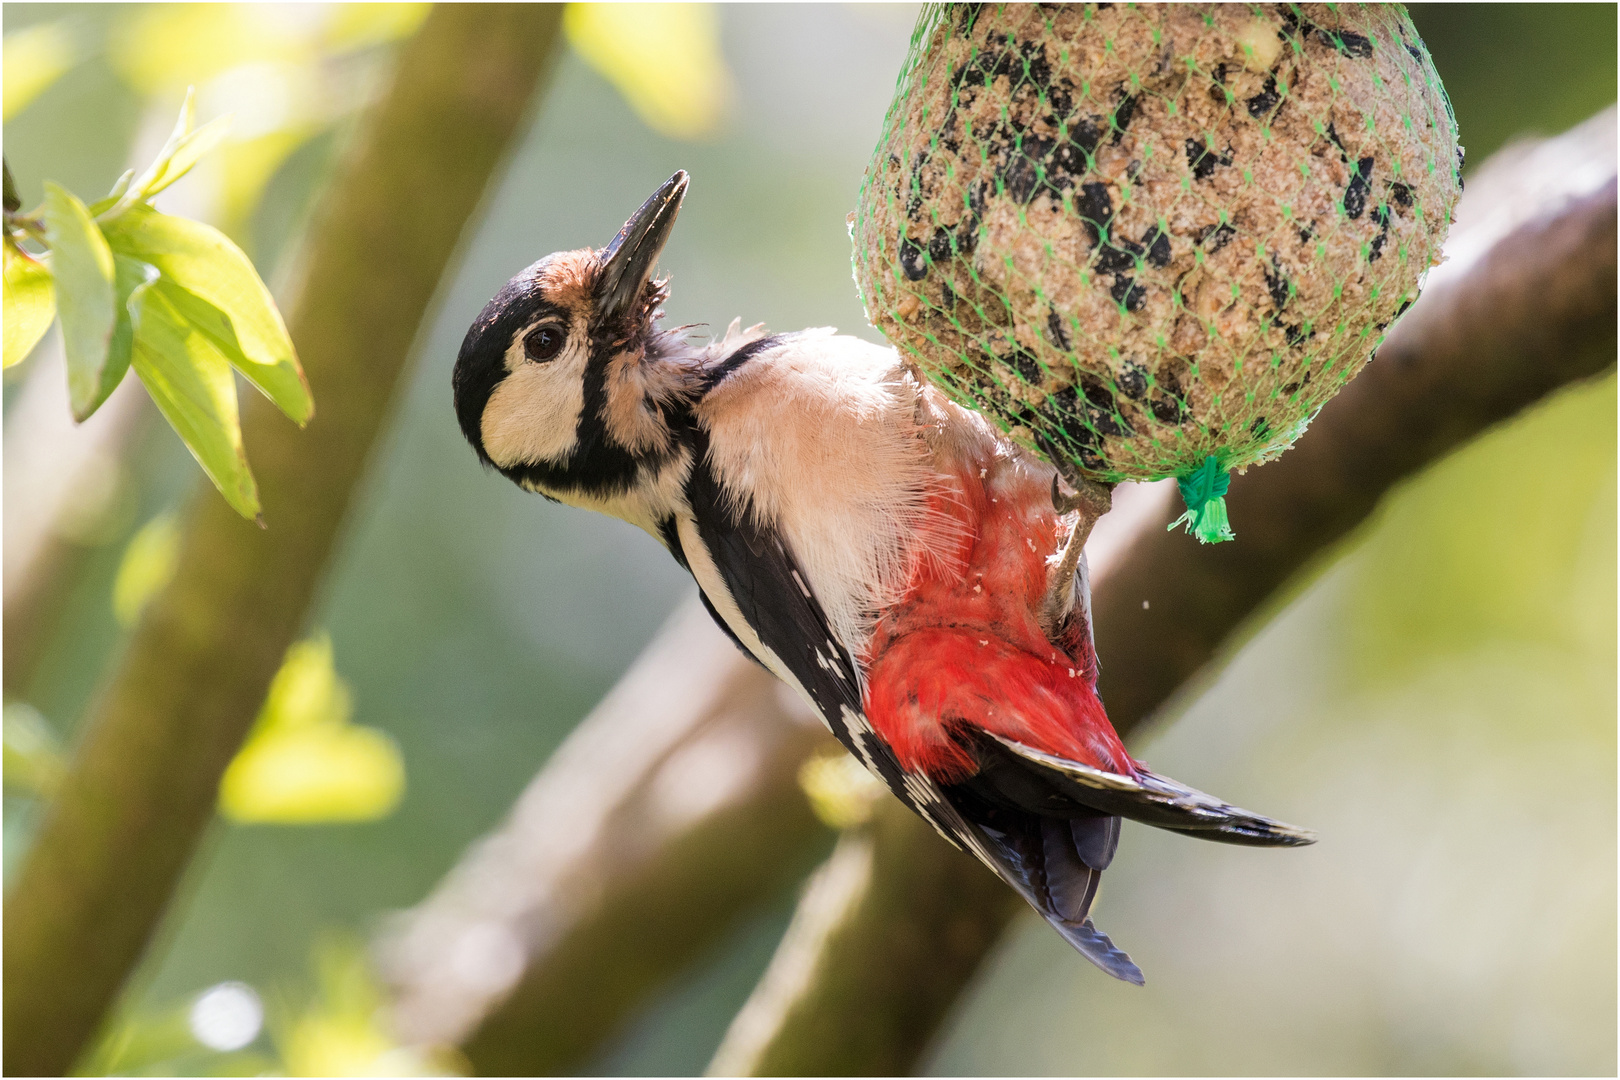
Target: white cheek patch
[[532, 414]]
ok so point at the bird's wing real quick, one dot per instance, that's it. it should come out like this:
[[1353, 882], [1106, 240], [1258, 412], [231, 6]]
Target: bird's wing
[[760, 594]]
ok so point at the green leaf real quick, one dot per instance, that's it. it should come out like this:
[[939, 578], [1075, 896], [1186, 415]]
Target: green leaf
[[82, 264], [131, 278], [121, 185], [30, 303], [666, 59], [187, 152], [191, 382], [181, 152], [203, 262], [101, 205], [316, 776], [304, 762], [219, 329]]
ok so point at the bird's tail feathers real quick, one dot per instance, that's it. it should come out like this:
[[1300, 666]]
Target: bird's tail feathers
[[1095, 946], [1073, 850], [1054, 863], [1159, 801]]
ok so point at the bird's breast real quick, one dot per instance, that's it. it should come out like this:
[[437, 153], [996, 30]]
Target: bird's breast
[[818, 437]]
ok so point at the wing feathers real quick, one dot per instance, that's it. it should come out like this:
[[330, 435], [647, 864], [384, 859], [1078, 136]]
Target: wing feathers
[[1071, 883]]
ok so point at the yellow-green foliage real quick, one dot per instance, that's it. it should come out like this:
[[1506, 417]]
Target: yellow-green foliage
[[305, 762]]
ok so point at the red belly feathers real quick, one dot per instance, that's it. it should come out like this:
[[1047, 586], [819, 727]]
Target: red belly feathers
[[965, 649]]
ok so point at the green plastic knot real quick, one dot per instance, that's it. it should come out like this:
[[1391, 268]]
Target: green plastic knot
[[1204, 491]]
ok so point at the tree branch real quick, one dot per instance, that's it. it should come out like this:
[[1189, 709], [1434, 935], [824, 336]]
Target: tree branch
[[671, 809], [1527, 306], [143, 782], [843, 994]]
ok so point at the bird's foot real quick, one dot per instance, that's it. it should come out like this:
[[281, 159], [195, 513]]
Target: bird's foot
[[1092, 500]]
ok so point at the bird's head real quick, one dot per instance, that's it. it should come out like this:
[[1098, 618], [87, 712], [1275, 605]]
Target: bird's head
[[559, 383]]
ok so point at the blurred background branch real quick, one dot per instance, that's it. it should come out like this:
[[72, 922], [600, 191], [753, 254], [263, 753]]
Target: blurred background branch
[[887, 933], [671, 810], [144, 779], [66, 492]]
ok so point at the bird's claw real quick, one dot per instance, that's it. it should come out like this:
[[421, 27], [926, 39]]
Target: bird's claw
[[1093, 499]]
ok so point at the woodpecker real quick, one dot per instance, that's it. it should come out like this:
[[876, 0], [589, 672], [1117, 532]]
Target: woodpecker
[[883, 550]]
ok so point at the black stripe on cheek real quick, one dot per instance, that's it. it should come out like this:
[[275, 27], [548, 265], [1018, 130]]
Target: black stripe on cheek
[[603, 464], [597, 465]]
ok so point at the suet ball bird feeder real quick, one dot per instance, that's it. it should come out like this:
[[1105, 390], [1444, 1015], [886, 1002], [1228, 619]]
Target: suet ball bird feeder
[[1152, 241]]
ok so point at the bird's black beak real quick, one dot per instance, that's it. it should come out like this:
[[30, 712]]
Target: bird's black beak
[[632, 254]]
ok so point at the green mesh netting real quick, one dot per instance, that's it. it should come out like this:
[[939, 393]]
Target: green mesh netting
[[1143, 237]]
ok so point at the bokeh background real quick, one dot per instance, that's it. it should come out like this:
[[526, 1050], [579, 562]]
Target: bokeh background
[[1438, 699]]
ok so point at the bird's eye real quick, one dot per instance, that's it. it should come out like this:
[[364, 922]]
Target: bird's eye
[[543, 343]]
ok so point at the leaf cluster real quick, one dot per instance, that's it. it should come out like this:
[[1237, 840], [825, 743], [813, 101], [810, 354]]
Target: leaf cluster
[[171, 298]]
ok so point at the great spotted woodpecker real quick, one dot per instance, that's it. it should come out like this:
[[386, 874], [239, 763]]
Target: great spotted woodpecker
[[881, 549]]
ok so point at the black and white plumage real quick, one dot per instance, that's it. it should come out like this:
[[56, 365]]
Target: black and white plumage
[[837, 511]]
